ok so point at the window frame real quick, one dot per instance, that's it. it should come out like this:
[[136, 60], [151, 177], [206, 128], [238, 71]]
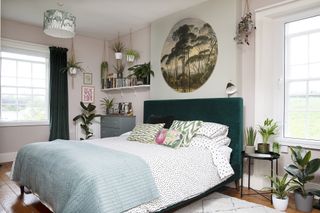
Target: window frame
[[27, 48], [270, 86]]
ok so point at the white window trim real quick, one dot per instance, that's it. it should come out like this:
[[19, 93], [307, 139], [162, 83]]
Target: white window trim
[[36, 50], [269, 62]]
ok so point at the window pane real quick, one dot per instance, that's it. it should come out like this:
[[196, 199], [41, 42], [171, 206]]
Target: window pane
[[8, 99], [298, 88], [17, 56], [8, 68], [298, 71], [39, 83], [314, 103], [303, 25], [298, 50], [24, 69], [39, 71], [24, 91], [296, 125], [297, 103], [314, 88], [314, 118], [314, 71], [24, 82], [39, 101], [314, 47], [9, 115], [8, 91], [39, 91], [6, 81]]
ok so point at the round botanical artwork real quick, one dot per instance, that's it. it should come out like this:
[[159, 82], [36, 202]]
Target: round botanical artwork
[[189, 55]]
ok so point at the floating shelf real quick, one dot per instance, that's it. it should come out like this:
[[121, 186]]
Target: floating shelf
[[126, 88]]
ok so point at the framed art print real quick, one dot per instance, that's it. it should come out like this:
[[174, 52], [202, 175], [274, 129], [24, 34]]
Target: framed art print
[[87, 78], [87, 94]]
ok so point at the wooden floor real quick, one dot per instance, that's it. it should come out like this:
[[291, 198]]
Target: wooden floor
[[11, 201]]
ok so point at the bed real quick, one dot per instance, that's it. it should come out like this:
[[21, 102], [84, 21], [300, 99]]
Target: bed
[[227, 111]]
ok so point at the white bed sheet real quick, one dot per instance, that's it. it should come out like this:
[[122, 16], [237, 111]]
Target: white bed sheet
[[179, 173]]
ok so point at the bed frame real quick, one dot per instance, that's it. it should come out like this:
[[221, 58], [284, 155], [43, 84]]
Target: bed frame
[[228, 111]]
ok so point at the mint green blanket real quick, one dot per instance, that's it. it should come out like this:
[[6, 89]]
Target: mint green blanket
[[81, 177]]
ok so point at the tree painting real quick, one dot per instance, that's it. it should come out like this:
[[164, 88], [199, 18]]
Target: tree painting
[[189, 55]]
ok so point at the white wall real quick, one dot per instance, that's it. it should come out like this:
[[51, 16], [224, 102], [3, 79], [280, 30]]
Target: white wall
[[222, 16]]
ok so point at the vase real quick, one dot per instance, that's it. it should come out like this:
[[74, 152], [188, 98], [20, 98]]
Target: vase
[[119, 74], [280, 204], [250, 149], [303, 204], [263, 148]]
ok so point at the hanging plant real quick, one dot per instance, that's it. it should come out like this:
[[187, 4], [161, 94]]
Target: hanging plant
[[73, 66], [245, 27], [118, 47], [132, 55]]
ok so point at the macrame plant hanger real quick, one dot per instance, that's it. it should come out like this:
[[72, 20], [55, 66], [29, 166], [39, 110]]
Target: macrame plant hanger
[[72, 71], [104, 66]]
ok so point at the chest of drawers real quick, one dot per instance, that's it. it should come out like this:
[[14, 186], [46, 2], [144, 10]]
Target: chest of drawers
[[115, 125]]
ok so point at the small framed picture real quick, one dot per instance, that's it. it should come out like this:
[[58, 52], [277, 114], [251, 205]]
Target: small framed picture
[[87, 94], [87, 78]]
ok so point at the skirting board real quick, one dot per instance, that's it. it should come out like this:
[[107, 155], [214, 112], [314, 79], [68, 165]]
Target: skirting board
[[7, 157]]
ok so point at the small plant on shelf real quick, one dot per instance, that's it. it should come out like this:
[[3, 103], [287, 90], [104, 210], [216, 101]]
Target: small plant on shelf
[[142, 72], [107, 104], [86, 117]]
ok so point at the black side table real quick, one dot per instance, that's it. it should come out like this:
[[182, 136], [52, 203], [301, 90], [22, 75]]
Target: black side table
[[270, 157]]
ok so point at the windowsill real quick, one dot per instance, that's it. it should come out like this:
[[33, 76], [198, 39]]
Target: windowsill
[[311, 144], [20, 124]]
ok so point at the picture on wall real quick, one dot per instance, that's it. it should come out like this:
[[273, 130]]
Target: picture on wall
[[87, 78], [87, 94], [189, 55]]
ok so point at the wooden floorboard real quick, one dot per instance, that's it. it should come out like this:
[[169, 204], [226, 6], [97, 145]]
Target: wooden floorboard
[[12, 202]]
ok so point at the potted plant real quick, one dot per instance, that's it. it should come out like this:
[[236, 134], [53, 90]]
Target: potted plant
[[276, 147], [73, 66], [269, 128], [132, 55], [119, 68], [118, 47], [302, 170], [107, 104], [87, 115], [142, 72], [250, 134], [245, 28], [281, 188]]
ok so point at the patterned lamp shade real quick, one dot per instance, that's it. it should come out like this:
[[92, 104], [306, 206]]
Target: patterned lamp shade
[[58, 23]]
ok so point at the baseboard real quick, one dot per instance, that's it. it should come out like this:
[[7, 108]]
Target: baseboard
[[7, 157]]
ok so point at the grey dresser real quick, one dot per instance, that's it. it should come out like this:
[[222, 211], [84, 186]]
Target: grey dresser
[[115, 125]]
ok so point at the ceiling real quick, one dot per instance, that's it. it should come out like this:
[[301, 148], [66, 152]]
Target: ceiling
[[102, 19]]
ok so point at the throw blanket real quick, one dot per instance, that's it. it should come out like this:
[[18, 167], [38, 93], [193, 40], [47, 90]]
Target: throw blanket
[[81, 177]]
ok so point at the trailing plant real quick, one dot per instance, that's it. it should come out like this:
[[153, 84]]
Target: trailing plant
[[142, 71], [107, 104], [72, 63], [118, 46], [269, 128], [281, 186], [302, 170], [251, 134], [87, 115]]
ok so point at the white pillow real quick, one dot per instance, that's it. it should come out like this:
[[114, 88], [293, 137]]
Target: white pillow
[[205, 142], [212, 130]]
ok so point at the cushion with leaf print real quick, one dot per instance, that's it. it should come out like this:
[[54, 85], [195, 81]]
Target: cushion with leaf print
[[187, 128]]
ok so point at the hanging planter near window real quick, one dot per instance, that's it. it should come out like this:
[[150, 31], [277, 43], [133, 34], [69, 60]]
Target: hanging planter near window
[[118, 47], [245, 27]]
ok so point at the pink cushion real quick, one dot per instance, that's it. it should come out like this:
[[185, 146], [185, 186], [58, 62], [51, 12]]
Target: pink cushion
[[161, 136]]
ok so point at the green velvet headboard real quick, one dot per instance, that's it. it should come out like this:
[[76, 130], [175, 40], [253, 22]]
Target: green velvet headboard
[[228, 111]]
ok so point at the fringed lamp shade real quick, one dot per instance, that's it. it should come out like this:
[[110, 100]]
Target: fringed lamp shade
[[58, 23]]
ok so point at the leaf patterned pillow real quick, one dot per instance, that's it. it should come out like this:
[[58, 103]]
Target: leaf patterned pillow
[[188, 130], [145, 133], [173, 138]]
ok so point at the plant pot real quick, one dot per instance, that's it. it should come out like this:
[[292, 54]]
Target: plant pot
[[73, 70], [280, 204], [130, 58], [303, 204], [263, 148], [250, 149], [118, 55]]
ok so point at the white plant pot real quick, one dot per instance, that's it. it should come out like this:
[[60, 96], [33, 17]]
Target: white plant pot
[[73, 71], [280, 204], [250, 149], [130, 58], [118, 55]]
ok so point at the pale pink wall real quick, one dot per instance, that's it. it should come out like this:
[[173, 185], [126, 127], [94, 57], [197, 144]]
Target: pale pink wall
[[87, 50]]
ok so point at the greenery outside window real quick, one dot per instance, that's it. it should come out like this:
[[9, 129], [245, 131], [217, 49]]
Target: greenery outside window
[[24, 84]]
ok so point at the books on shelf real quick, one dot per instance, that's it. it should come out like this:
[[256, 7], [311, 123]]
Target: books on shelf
[[119, 82]]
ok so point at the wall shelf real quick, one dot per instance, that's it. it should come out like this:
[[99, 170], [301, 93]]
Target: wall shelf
[[125, 88]]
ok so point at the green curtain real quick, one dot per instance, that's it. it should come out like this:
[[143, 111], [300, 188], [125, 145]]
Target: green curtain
[[59, 124]]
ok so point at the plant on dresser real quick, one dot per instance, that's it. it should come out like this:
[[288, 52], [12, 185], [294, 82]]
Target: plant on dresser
[[87, 115]]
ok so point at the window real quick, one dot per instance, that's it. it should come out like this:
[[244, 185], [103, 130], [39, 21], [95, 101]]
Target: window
[[24, 83], [302, 79]]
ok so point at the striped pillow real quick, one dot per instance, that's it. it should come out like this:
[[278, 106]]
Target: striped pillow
[[145, 133], [188, 130]]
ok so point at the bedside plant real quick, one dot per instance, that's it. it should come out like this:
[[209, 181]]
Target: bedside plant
[[302, 170], [107, 104], [142, 72], [269, 128], [281, 188], [250, 135], [86, 117]]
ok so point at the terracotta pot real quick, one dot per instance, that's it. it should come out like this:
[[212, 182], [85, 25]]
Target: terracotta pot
[[263, 148], [280, 204]]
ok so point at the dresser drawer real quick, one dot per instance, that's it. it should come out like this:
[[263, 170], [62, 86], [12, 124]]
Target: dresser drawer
[[110, 132], [116, 125], [113, 122]]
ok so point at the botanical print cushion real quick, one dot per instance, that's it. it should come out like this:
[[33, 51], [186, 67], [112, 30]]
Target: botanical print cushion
[[212, 130], [145, 133], [187, 128], [161, 136], [173, 138]]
